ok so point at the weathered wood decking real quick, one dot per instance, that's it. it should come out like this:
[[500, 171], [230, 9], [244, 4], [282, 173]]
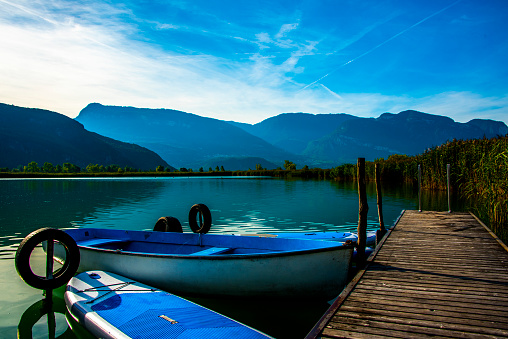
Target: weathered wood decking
[[436, 274]]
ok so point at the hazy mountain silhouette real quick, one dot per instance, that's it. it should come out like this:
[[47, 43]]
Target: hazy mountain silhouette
[[29, 134], [293, 131], [191, 141], [182, 139], [409, 132]]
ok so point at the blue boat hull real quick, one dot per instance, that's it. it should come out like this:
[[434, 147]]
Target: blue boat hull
[[218, 265]]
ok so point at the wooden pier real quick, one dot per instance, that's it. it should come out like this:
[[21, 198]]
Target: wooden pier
[[435, 274]]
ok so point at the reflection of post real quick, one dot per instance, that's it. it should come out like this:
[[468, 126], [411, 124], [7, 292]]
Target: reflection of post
[[382, 230], [362, 214]]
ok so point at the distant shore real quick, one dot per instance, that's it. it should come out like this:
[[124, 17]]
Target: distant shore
[[277, 173]]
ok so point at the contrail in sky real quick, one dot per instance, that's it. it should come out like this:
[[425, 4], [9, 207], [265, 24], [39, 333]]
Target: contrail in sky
[[382, 43]]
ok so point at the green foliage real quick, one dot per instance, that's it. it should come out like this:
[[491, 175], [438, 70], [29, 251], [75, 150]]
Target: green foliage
[[91, 168], [289, 166], [48, 168], [32, 167], [67, 167]]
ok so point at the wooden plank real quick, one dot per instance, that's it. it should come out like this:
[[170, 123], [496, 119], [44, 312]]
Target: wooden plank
[[440, 318], [450, 290], [460, 305], [437, 326], [479, 300], [422, 280], [432, 309], [410, 330]]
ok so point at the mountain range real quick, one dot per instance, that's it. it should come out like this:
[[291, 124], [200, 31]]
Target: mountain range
[[182, 139], [188, 140], [29, 134]]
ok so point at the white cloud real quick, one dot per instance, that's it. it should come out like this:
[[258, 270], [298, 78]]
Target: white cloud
[[166, 26], [285, 29]]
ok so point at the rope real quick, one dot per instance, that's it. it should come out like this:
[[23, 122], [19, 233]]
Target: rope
[[122, 285]]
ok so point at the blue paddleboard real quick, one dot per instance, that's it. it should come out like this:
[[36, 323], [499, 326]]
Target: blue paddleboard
[[111, 306]]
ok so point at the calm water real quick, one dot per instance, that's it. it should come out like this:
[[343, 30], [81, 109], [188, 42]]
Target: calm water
[[240, 205]]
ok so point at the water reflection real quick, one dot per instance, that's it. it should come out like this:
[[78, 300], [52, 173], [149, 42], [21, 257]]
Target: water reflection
[[237, 205]]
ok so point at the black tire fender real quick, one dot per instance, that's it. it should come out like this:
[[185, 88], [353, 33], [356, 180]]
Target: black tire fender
[[205, 218], [61, 276], [168, 224]]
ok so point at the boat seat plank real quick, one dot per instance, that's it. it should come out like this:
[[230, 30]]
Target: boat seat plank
[[99, 241], [212, 251]]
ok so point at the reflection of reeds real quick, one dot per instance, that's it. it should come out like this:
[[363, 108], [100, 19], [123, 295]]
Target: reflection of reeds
[[479, 172]]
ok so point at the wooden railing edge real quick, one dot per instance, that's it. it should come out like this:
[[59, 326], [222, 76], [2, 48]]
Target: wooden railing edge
[[503, 245], [320, 325]]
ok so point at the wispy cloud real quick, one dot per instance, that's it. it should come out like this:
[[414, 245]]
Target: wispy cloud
[[62, 56], [381, 44]]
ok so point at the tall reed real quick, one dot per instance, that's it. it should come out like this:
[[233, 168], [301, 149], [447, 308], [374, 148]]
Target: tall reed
[[479, 173]]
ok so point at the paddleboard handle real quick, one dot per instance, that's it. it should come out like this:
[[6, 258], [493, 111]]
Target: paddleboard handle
[[52, 279], [205, 218]]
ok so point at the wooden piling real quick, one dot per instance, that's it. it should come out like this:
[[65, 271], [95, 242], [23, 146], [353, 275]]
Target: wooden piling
[[382, 230], [362, 213]]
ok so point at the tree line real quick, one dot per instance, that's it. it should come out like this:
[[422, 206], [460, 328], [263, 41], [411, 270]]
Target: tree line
[[67, 167]]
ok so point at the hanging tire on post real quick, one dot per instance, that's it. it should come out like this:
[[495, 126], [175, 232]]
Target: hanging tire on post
[[58, 278], [205, 218], [168, 224]]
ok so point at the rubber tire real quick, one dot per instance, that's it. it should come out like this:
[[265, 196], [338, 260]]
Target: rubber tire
[[168, 224], [60, 277], [207, 216]]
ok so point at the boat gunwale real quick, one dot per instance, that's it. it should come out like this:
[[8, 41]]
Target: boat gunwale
[[222, 256], [324, 246]]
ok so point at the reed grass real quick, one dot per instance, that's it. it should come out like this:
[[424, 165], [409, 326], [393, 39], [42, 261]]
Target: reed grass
[[479, 173]]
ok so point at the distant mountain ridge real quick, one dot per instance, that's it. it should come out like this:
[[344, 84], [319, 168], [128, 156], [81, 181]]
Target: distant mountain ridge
[[30, 134], [293, 131], [408, 132], [318, 140], [188, 140], [182, 139]]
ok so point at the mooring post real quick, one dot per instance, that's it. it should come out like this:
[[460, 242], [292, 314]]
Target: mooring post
[[362, 213], [419, 188], [382, 230], [49, 269], [448, 187]]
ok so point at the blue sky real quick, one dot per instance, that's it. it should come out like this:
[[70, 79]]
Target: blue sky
[[249, 60]]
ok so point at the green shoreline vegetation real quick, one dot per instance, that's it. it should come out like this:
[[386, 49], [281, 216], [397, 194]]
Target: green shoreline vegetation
[[479, 173]]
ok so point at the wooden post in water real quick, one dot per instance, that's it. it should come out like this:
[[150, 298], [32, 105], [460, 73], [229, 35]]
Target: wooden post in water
[[419, 188], [362, 214], [448, 187], [382, 230]]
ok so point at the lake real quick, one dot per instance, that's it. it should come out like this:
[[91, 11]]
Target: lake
[[238, 205]]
